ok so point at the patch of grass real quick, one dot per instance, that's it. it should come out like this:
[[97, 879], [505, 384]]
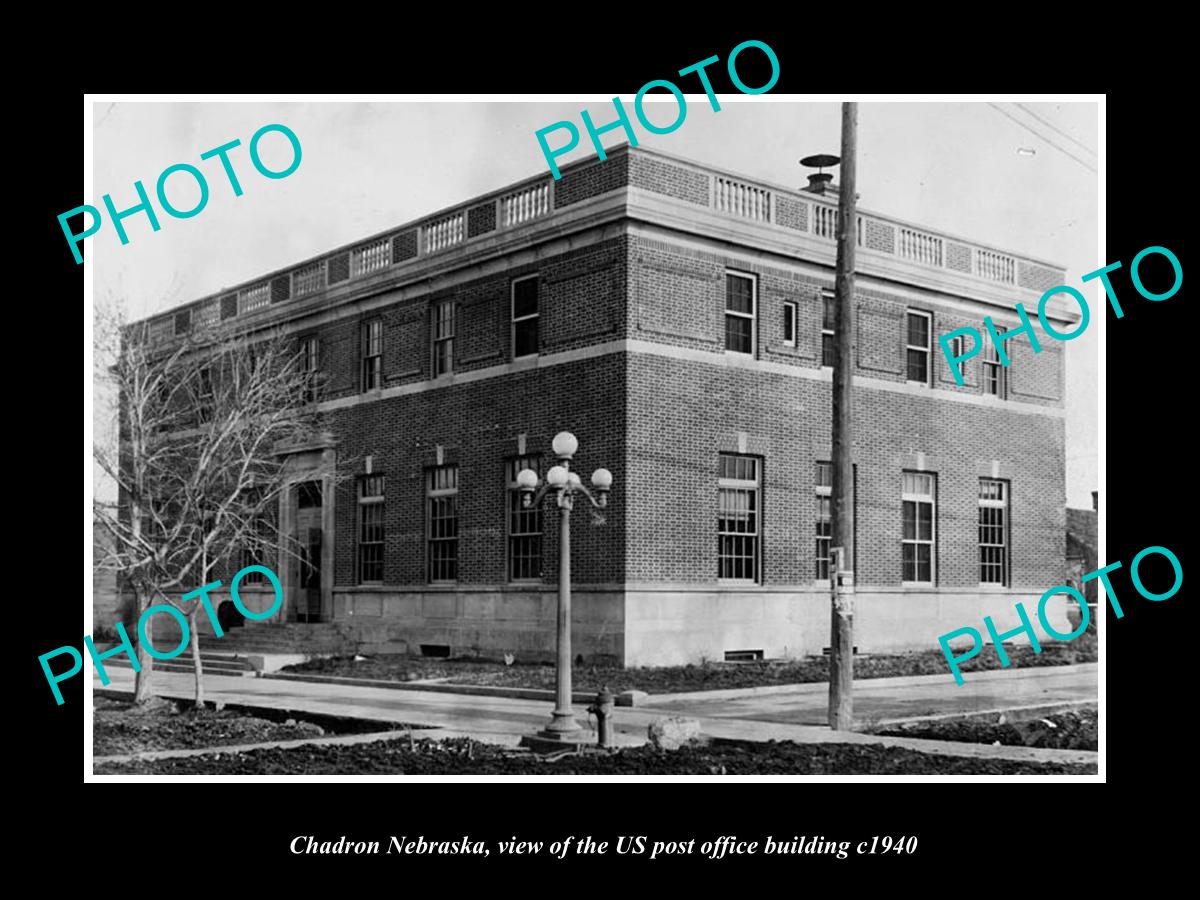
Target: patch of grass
[[459, 756]]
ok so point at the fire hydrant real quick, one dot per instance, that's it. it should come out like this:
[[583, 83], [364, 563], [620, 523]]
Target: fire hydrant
[[602, 708]]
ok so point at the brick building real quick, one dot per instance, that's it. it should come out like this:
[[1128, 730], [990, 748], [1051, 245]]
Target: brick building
[[673, 318]]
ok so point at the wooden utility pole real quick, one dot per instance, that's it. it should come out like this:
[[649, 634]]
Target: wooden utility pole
[[841, 638]]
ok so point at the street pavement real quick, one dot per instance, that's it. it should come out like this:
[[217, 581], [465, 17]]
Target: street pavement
[[794, 712]]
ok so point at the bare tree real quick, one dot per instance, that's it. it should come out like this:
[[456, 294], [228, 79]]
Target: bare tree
[[203, 423]]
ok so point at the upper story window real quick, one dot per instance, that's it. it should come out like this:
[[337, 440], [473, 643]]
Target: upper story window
[[956, 349], [919, 328], [206, 397], [995, 375], [918, 514], [442, 331], [525, 317], [310, 365], [738, 518], [828, 308], [371, 344], [789, 324], [739, 313]]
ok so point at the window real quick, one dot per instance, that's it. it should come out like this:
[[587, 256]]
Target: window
[[443, 337], [310, 364], [993, 532], [738, 518], [524, 525], [919, 326], [206, 397], [525, 317], [918, 505], [823, 485], [995, 377], [370, 529], [956, 349], [789, 324], [739, 313], [828, 307], [372, 354], [441, 491]]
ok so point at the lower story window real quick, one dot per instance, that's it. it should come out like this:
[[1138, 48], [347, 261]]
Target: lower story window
[[370, 529], [524, 526], [738, 518], [824, 489], [993, 531], [918, 501], [441, 488]]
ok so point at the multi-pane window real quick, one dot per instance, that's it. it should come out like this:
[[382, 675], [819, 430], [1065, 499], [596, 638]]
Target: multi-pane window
[[524, 525], [370, 529], [441, 492], [993, 531], [789, 324], [738, 518], [205, 395], [918, 503], [956, 349], [525, 317], [442, 331], [919, 327], [372, 354], [823, 484], [828, 307], [739, 313], [995, 375], [310, 364]]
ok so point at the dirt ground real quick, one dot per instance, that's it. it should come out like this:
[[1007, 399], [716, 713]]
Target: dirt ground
[[461, 756], [677, 679], [119, 727], [1074, 730]]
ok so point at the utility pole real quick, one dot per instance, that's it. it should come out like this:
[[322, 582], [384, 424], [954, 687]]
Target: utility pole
[[841, 638]]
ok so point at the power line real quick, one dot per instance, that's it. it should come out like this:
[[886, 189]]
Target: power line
[[1054, 127], [1038, 134]]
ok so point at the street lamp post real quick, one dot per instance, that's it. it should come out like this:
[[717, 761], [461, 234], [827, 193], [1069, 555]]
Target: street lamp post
[[565, 485]]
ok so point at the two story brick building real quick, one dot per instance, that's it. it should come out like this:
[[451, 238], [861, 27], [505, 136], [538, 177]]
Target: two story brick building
[[675, 319]]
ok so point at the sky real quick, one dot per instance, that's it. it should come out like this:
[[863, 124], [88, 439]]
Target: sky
[[1019, 176]]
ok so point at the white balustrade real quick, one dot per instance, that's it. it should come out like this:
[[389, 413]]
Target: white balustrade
[[920, 247], [370, 257], [444, 232], [525, 204], [744, 200], [309, 279], [255, 297], [995, 266]]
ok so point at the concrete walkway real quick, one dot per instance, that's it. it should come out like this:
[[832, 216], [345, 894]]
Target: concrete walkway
[[795, 714]]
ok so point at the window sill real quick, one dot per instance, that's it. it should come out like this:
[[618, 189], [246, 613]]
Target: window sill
[[918, 585]]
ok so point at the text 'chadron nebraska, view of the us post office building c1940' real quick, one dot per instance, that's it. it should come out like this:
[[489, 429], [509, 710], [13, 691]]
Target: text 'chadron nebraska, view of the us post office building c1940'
[[678, 321]]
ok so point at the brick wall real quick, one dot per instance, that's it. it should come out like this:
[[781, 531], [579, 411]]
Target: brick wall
[[682, 414], [477, 424]]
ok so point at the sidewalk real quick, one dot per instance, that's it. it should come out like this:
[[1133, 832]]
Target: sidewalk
[[797, 714]]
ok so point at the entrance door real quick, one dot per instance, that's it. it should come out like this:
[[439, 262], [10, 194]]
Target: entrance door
[[308, 536]]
